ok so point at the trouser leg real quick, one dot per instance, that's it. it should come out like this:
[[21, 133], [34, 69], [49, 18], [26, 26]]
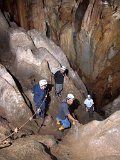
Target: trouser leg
[[90, 111], [42, 114], [65, 122], [58, 88]]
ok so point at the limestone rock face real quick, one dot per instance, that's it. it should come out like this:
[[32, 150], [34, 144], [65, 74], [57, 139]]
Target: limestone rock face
[[99, 49], [112, 107], [96, 35], [3, 32], [67, 44], [88, 33], [4, 24], [18, 38], [26, 13], [31, 58], [10, 96], [4, 130], [96, 140], [25, 149], [12, 104], [37, 10], [41, 41]]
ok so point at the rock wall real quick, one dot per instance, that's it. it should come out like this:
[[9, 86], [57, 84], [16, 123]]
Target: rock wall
[[99, 49], [3, 32], [88, 33], [94, 141], [13, 108]]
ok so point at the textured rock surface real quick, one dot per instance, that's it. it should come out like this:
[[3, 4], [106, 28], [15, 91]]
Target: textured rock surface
[[19, 38], [41, 41], [32, 59], [3, 33], [112, 107], [87, 31], [100, 44], [96, 140], [12, 105], [4, 130], [25, 149]]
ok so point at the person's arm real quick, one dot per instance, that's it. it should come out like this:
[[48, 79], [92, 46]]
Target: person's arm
[[72, 119], [67, 113], [92, 104]]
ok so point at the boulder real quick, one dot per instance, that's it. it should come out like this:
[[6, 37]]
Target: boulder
[[35, 64], [19, 38], [25, 149], [4, 130], [93, 141], [12, 105], [112, 107]]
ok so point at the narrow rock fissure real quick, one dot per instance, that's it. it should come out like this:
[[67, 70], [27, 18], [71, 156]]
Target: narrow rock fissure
[[49, 152]]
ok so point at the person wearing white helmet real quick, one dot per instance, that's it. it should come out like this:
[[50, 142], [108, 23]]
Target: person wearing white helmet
[[39, 92], [59, 80], [89, 105], [64, 115]]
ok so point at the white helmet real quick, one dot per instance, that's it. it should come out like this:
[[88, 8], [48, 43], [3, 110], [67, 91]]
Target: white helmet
[[70, 96], [88, 96], [42, 82], [63, 68]]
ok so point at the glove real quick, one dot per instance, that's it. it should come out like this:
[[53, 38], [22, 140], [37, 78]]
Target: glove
[[38, 110]]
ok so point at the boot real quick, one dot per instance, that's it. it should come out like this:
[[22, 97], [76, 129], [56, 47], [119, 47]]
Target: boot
[[58, 122], [61, 128]]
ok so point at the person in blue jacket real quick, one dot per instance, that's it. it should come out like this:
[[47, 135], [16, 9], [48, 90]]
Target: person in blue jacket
[[39, 92]]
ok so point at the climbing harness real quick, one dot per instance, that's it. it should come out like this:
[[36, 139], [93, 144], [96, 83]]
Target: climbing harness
[[17, 129]]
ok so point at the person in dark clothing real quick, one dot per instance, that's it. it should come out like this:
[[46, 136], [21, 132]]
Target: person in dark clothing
[[39, 97], [64, 115], [59, 80]]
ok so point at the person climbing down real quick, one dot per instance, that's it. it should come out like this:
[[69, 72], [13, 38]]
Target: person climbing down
[[63, 114], [89, 105], [59, 80], [39, 92]]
